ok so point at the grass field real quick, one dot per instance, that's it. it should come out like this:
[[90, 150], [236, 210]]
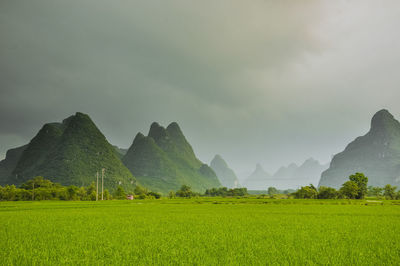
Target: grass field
[[205, 231]]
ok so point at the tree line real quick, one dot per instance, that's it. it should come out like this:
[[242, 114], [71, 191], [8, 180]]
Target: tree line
[[355, 188], [39, 188], [186, 192]]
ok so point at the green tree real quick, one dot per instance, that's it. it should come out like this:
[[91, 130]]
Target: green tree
[[272, 191], [119, 193], [106, 194], [72, 193], [82, 193], [9, 193], [390, 191], [349, 190], [154, 194], [185, 192], [375, 191], [37, 182], [307, 192], [140, 191], [171, 194], [398, 195], [91, 192], [362, 181], [327, 193]]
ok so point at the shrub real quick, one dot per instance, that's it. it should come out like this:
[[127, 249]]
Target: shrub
[[307, 192], [327, 193]]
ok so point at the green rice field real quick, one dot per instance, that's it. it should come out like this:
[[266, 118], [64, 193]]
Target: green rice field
[[202, 231]]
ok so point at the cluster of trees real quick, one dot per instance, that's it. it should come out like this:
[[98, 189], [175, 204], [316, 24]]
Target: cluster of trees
[[225, 192], [355, 188], [139, 193], [388, 192], [186, 192], [39, 188], [273, 191]]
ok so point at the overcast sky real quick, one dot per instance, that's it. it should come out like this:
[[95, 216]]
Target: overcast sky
[[270, 82]]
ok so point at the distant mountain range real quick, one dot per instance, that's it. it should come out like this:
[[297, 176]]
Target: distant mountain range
[[259, 179], [164, 160], [225, 175], [376, 154], [69, 153], [287, 177]]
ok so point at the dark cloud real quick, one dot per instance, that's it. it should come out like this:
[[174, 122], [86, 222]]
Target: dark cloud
[[260, 81]]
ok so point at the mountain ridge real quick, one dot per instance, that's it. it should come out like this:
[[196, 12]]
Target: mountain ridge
[[225, 174], [376, 154], [164, 160], [70, 153], [291, 176]]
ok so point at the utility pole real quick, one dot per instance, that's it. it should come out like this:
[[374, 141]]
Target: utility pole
[[97, 187], [102, 182]]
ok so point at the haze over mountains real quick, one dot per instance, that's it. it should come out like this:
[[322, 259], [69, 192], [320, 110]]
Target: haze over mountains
[[273, 83], [376, 154], [258, 179], [73, 151], [226, 175], [287, 177]]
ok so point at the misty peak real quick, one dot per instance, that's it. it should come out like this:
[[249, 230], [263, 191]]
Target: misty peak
[[218, 157], [310, 161], [154, 126], [174, 127], [175, 132], [259, 168], [139, 137], [226, 175], [78, 118], [156, 131], [383, 119], [218, 161]]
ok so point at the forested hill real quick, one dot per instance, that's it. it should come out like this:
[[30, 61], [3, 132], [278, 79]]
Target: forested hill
[[164, 161], [69, 153], [376, 154]]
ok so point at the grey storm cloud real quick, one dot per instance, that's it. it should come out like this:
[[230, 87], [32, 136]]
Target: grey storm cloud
[[256, 81]]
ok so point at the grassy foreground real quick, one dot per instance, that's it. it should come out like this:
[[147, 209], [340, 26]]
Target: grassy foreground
[[205, 231]]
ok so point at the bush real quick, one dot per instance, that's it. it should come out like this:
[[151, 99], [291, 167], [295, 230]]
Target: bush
[[119, 193], [390, 192], [349, 190], [327, 193], [154, 194], [225, 192], [185, 192], [307, 192]]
